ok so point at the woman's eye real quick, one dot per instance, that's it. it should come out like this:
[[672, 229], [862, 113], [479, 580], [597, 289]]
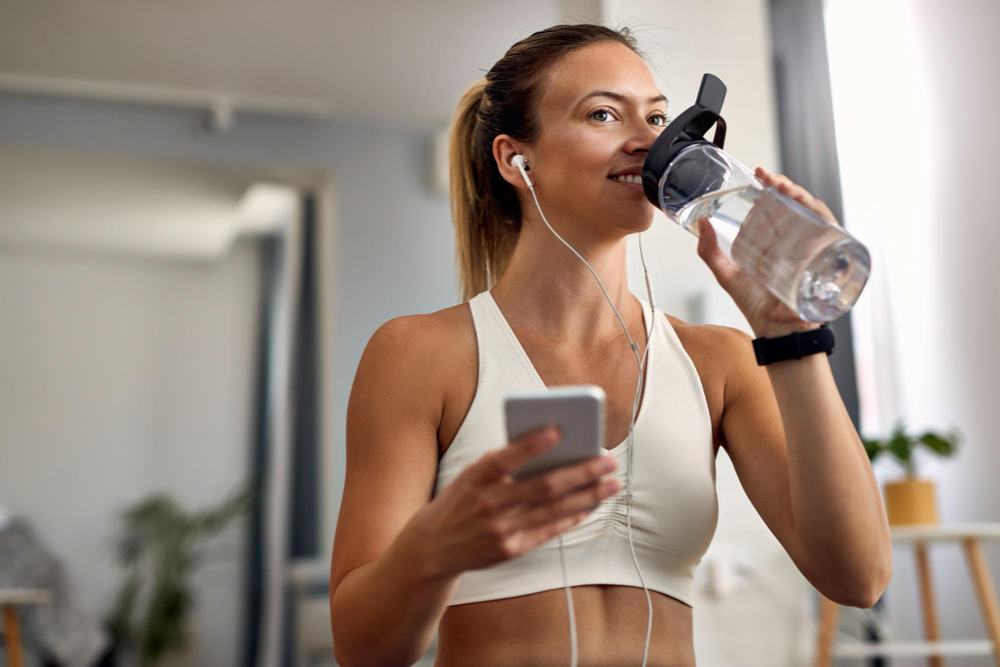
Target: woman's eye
[[606, 112], [663, 118]]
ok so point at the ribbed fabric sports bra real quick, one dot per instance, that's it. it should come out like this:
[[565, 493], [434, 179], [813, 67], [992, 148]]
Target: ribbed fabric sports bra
[[675, 507]]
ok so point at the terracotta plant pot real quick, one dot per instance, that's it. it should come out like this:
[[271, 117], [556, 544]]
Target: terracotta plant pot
[[910, 501]]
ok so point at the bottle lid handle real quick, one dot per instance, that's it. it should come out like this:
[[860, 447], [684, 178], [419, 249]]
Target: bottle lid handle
[[711, 93]]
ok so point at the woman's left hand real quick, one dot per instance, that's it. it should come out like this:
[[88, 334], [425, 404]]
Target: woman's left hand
[[767, 315]]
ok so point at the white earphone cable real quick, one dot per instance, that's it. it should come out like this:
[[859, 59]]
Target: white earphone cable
[[518, 162]]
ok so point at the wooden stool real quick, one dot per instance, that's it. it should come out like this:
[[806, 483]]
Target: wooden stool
[[10, 600], [970, 535]]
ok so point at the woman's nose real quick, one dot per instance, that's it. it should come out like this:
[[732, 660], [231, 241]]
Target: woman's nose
[[642, 137]]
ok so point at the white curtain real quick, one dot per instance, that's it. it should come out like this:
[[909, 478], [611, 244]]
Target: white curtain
[[880, 126]]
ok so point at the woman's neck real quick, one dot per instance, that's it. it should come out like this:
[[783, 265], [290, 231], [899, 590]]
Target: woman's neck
[[547, 289]]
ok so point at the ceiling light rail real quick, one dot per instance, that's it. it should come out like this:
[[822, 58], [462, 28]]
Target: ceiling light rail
[[220, 108]]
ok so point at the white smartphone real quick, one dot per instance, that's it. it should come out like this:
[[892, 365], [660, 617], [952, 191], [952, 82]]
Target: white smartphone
[[576, 409]]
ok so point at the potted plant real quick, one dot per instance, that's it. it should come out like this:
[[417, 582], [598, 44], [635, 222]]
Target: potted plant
[[911, 500], [160, 546]]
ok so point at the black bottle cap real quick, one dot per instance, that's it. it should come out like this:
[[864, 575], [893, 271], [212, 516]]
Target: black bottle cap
[[687, 129]]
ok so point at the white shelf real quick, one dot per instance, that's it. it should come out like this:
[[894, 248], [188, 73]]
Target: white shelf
[[913, 648], [24, 596], [947, 531]]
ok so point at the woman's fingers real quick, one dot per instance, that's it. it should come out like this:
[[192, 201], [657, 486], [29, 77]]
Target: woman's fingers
[[569, 506], [547, 487], [785, 186], [824, 211], [497, 464]]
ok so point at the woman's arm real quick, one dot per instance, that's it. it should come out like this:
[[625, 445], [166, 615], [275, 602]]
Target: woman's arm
[[806, 471], [387, 612], [385, 600], [793, 444]]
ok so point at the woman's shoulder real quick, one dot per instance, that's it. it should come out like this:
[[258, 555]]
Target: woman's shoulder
[[437, 346], [713, 348], [711, 345], [439, 353], [430, 336], [701, 337]]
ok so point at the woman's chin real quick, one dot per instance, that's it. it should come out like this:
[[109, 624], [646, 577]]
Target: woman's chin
[[633, 219], [642, 223]]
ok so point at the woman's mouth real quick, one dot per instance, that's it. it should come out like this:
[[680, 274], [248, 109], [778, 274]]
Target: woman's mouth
[[631, 181]]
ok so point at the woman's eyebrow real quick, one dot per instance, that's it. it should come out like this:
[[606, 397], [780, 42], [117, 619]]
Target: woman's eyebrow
[[618, 96]]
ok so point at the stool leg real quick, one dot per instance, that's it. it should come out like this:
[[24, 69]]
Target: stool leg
[[932, 631], [829, 613], [985, 591], [12, 630]]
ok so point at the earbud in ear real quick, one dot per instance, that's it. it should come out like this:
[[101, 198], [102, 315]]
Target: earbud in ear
[[518, 162]]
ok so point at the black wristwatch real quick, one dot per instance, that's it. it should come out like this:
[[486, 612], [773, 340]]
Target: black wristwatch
[[794, 346]]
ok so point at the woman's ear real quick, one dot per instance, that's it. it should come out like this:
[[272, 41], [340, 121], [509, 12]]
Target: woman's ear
[[504, 150]]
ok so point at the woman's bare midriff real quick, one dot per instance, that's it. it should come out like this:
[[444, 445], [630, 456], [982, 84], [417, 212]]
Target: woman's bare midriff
[[533, 630], [611, 620]]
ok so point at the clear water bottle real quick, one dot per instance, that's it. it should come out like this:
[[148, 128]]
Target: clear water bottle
[[812, 265]]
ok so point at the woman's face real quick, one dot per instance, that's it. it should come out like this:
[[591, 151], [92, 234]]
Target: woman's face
[[599, 113]]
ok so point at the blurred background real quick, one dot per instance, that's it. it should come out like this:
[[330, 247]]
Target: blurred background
[[207, 208]]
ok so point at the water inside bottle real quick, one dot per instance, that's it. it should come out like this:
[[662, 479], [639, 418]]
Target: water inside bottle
[[813, 266]]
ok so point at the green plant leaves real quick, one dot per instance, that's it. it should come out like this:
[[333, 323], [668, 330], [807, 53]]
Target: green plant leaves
[[872, 447], [120, 623], [165, 620], [161, 546], [939, 445], [901, 446], [902, 449]]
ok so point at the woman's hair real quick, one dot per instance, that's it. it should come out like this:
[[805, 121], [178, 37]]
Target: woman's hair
[[485, 208]]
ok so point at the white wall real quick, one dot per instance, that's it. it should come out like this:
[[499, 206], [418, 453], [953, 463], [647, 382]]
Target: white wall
[[916, 87], [122, 374]]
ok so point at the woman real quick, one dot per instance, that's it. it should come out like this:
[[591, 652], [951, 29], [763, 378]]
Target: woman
[[433, 532]]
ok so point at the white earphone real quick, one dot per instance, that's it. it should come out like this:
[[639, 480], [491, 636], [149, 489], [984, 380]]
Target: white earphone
[[518, 161]]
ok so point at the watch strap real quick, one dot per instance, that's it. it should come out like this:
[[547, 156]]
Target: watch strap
[[794, 346]]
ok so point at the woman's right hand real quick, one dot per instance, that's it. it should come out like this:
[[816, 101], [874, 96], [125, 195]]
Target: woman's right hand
[[485, 516]]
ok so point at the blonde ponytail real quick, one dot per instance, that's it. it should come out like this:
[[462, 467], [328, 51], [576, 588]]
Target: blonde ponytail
[[484, 237]]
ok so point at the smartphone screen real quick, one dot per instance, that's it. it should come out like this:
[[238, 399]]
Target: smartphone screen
[[578, 410]]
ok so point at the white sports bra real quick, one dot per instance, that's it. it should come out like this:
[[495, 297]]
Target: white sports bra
[[675, 508]]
